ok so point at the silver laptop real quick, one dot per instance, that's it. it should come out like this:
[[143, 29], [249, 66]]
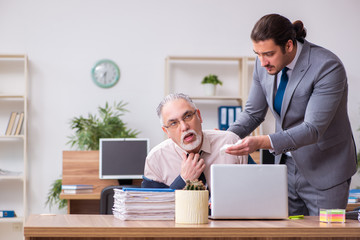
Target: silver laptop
[[249, 191]]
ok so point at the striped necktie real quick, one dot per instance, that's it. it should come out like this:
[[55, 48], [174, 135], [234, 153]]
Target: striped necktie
[[280, 92]]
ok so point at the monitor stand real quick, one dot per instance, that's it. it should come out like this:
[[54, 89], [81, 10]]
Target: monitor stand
[[127, 183]]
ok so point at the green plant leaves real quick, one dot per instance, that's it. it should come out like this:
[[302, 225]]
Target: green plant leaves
[[194, 185], [54, 195], [108, 124], [211, 78]]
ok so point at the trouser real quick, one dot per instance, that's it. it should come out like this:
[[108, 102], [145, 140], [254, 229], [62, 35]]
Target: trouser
[[304, 199]]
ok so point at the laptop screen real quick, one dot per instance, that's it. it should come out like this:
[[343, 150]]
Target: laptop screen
[[249, 191]]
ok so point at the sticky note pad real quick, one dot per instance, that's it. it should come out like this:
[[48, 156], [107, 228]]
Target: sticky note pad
[[332, 215]]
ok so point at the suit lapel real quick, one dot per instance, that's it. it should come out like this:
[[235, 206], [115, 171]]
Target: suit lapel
[[301, 66]]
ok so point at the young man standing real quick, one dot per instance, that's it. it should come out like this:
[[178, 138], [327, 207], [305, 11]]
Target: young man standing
[[305, 87]]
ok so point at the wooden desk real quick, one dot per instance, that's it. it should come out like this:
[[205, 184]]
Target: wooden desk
[[351, 206], [82, 167], [107, 227]]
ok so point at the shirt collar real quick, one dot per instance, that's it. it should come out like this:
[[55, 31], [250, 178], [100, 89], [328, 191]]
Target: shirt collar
[[298, 51], [206, 147]]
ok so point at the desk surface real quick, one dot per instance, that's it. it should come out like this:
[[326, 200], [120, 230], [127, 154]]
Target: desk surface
[[108, 226]]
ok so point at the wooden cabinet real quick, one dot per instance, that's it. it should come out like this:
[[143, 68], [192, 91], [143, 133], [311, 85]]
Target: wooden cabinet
[[82, 167], [13, 147], [185, 73]]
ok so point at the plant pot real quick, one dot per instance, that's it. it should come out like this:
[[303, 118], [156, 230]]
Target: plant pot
[[209, 89], [191, 206]]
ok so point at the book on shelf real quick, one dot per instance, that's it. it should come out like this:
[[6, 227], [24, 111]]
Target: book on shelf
[[19, 124], [354, 196], [354, 192], [7, 213], [13, 130], [76, 186], [353, 199], [227, 115], [77, 191], [10, 123]]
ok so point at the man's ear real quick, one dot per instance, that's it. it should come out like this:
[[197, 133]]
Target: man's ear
[[165, 131], [289, 46], [198, 112]]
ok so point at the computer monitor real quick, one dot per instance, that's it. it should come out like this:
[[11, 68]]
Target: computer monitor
[[122, 158]]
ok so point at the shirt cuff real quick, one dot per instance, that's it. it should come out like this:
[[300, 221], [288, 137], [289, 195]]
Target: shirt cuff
[[272, 146]]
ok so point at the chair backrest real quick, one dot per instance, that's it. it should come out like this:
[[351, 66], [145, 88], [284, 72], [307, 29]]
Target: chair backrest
[[107, 200]]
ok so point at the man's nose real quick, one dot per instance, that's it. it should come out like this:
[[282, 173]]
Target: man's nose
[[264, 61], [184, 126]]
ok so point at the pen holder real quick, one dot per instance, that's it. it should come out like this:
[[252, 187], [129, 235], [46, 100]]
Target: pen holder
[[191, 206]]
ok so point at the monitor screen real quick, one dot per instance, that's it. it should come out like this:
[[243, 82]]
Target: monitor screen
[[122, 158]]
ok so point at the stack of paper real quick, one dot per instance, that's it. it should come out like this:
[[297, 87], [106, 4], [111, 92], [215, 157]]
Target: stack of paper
[[354, 196], [144, 204]]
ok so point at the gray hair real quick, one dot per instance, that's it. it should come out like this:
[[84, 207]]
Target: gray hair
[[169, 98]]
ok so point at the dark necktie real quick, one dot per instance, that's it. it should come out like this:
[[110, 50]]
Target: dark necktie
[[202, 178], [202, 175], [280, 92]]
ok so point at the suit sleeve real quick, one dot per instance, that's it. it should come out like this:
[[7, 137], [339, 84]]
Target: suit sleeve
[[329, 91], [178, 183], [325, 105], [255, 109]]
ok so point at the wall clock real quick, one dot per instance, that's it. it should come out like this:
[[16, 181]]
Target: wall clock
[[105, 73]]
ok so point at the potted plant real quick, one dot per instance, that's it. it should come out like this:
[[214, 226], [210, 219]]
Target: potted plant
[[191, 203], [88, 131], [53, 198], [108, 124], [210, 82]]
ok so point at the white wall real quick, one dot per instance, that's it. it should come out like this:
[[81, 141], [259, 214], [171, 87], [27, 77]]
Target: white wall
[[65, 38]]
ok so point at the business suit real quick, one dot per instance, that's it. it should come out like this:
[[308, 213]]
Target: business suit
[[313, 124]]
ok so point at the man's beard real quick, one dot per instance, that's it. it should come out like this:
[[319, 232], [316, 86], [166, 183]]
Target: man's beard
[[193, 145]]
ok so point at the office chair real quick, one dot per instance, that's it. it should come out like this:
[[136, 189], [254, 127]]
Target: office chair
[[107, 198], [267, 157]]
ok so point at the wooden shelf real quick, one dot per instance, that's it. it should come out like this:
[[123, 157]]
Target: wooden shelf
[[17, 177], [234, 98], [12, 136], [242, 63], [12, 220], [7, 57], [208, 58], [13, 97]]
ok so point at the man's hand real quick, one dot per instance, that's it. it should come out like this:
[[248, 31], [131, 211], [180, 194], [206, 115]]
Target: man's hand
[[192, 167], [249, 145]]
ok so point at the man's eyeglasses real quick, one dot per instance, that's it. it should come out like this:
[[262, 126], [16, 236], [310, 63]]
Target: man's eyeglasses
[[186, 118]]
